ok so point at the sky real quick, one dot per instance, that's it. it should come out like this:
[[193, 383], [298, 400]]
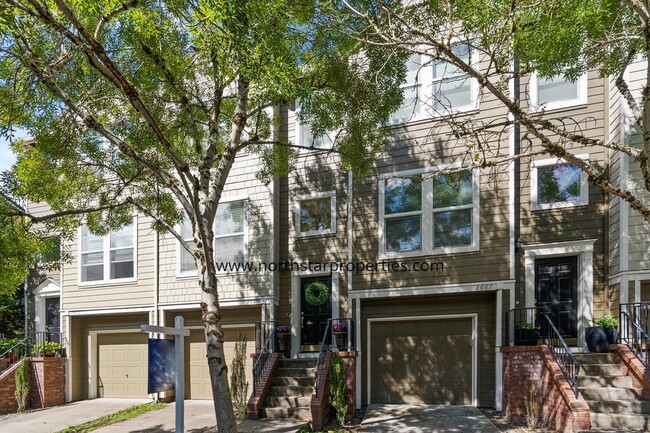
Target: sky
[[7, 158]]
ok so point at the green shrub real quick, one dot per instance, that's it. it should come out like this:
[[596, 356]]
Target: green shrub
[[607, 321], [238, 384], [22, 385], [337, 388]]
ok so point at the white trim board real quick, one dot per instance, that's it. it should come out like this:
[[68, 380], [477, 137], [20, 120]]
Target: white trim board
[[474, 318], [479, 286]]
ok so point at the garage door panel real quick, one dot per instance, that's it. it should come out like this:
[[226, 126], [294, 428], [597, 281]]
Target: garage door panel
[[122, 365], [421, 361], [200, 387]]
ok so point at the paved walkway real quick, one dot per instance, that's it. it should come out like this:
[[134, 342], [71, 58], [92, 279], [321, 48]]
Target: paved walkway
[[425, 419]]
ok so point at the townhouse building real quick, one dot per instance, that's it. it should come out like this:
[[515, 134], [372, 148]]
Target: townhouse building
[[425, 255]]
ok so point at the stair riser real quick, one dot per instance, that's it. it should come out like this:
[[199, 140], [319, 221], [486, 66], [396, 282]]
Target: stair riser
[[302, 414], [600, 394], [293, 381], [620, 407], [602, 370], [605, 381], [290, 391], [297, 363], [287, 401], [596, 358], [295, 372], [623, 422]]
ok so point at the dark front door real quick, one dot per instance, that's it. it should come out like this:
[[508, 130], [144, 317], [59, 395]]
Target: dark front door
[[556, 292], [52, 326], [313, 318]]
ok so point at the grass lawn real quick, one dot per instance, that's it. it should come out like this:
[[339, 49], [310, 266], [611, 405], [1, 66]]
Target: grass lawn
[[113, 418]]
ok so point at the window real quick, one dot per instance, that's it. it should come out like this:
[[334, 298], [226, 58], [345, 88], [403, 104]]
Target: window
[[557, 92], [304, 136], [437, 88], [454, 90], [556, 184], [229, 239], [186, 264], [422, 213], [316, 214], [107, 258]]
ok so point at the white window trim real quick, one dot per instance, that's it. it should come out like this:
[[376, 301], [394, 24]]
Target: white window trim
[[107, 259], [534, 179], [427, 215], [426, 81], [300, 198], [179, 251], [535, 106]]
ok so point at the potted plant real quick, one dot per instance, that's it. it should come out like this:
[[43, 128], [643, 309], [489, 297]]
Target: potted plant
[[602, 334], [340, 331], [610, 324], [48, 349], [283, 335], [526, 334]]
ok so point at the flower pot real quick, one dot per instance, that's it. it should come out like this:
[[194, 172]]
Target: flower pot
[[526, 337], [597, 339], [612, 334], [341, 340]]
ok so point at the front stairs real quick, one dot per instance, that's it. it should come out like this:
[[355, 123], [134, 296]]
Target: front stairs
[[615, 404], [290, 393]]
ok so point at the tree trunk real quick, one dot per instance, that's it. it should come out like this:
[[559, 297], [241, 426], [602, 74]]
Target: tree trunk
[[226, 422]]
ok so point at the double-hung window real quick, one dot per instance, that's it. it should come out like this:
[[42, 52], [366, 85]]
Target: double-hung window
[[425, 213], [230, 236], [556, 184], [453, 89], [551, 93], [186, 264], [107, 258], [412, 89]]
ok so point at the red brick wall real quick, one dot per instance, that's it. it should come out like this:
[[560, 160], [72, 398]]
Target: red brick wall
[[255, 401], [350, 365], [555, 402], [320, 399], [47, 381], [8, 390]]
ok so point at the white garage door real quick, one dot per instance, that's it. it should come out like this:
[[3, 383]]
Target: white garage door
[[122, 363], [200, 387]]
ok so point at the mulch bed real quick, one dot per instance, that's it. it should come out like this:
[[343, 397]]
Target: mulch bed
[[499, 420]]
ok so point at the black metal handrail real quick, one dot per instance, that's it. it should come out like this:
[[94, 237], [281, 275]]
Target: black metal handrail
[[634, 336], [639, 313], [334, 326], [522, 326], [565, 359], [261, 362], [322, 351]]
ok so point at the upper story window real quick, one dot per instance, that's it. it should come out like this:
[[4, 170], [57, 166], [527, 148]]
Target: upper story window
[[186, 264], [426, 214], [315, 214], [107, 258], [557, 184], [230, 232], [435, 88], [305, 137], [557, 92]]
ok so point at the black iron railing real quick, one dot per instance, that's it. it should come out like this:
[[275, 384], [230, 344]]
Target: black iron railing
[[561, 352], [335, 331], [267, 334], [633, 330]]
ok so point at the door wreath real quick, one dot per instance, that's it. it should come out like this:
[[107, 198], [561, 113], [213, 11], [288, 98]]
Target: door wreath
[[316, 294]]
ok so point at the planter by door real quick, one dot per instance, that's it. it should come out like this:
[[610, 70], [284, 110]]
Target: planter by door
[[612, 334], [341, 340], [597, 340], [283, 343]]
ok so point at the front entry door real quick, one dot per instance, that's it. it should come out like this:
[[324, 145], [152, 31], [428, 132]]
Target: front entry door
[[52, 326], [313, 318], [556, 292]]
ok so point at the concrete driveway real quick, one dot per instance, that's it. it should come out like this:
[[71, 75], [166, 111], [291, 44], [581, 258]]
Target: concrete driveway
[[425, 419], [55, 418]]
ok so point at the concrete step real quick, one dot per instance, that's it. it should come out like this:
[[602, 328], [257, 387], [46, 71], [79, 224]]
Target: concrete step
[[624, 422], [605, 381], [295, 372], [287, 401], [620, 406], [602, 394], [602, 370], [596, 358], [297, 363], [300, 413], [293, 391], [609, 430], [293, 381]]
